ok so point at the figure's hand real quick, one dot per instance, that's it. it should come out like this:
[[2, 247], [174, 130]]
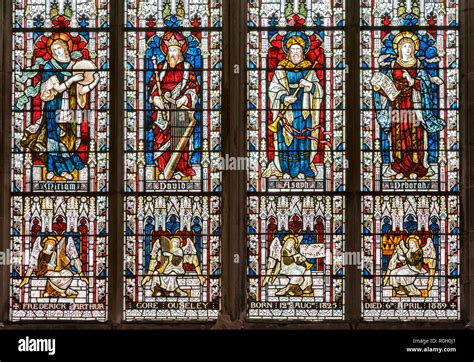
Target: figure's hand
[[290, 99], [84, 279], [145, 280], [77, 143], [181, 101], [158, 102], [307, 85], [96, 77], [76, 78], [408, 77], [24, 282], [301, 259]]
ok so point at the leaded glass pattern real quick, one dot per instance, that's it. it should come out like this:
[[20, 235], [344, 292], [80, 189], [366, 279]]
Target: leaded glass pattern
[[173, 56], [296, 144], [410, 160], [60, 145]]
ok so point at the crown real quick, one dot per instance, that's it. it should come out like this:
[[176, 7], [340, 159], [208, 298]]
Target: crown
[[174, 42]]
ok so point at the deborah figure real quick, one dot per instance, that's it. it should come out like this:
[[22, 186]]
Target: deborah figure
[[407, 116]]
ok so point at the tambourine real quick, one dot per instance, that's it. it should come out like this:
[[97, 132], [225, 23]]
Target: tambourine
[[87, 68]]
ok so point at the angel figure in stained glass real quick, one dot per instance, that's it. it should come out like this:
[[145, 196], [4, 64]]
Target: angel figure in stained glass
[[171, 258], [286, 260], [56, 259], [410, 261]]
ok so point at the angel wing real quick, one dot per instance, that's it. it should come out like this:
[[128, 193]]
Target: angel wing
[[72, 254], [274, 262], [34, 255], [190, 257], [429, 257], [190, 253]]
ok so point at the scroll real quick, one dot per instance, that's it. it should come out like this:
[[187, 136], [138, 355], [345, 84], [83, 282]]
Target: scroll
[[382, 81], [313, 251]]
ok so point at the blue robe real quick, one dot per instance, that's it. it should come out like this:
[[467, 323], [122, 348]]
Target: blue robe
[[296, 158], [59, 158]]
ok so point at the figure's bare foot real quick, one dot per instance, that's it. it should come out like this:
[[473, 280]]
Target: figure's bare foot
[[67, 176], [413, 176], [430, 172], [180, 293], [71, 293], [178, 175], [400, 176], [389, 173], [282, 291], [50, 175]]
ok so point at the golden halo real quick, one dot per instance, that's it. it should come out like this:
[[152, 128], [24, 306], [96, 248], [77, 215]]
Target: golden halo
[[47, 240], [59, 36], [413, 237], [406, 35], [295, 238]]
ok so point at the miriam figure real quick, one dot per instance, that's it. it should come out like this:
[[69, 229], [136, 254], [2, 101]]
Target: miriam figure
[[65, 85], [406, 110]]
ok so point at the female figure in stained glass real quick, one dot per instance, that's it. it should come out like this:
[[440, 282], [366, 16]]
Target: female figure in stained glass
[[286, 260], [170, 259], [408, 263], [406, 111], [295, 97], [57, 137], [54, 258]]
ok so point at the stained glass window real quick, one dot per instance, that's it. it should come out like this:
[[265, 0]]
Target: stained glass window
[[295, 116], [173, 52], [59, 159], [410, 159]]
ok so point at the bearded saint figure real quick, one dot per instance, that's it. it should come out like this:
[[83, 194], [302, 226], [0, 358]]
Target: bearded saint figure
[[173, 92], [295, 98]]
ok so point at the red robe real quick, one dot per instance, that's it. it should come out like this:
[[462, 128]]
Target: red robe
[[173, 78], [408, 145]]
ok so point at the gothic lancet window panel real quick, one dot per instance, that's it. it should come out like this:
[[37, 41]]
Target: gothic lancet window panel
[[172, 257], [173, 95], [411, 257], [410, 144], [59, 146], [301, 240], [59, 258], [60, 96], [295, 117], [173, 60]]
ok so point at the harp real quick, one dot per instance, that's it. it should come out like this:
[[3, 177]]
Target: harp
[[182, 123]]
